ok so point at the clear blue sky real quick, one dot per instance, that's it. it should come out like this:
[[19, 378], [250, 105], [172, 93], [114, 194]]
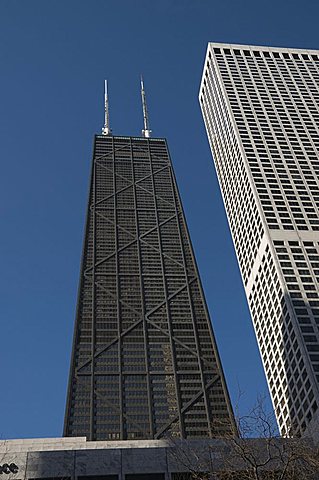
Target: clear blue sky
[[54, 56]]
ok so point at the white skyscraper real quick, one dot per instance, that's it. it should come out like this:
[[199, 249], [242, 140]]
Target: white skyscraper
[[261, 110]]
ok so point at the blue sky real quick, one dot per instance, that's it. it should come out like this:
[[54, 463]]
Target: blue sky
[[54, 56]]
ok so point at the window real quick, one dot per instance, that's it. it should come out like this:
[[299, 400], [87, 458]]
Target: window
[[97, 477], [145, 476]]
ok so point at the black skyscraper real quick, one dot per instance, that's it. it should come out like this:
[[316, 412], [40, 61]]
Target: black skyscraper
[[144, 362]]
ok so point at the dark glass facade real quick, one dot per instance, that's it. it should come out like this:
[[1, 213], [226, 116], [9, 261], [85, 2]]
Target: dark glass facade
[[144, 362]]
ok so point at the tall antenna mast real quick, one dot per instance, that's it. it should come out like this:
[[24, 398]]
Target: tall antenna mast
[[106, 129], [146, 132]]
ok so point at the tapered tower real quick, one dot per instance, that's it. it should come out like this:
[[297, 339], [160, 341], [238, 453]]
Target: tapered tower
[[144, 362]]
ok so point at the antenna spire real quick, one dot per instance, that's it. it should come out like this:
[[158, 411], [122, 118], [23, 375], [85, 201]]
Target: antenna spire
[[146, 132], [106, 129]]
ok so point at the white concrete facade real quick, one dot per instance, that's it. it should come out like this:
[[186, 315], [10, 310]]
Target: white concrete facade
[[75, 458], [72, 457], [78, 459], [261, 111]]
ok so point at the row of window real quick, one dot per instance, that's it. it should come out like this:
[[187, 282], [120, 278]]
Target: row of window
[[266, 54]]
